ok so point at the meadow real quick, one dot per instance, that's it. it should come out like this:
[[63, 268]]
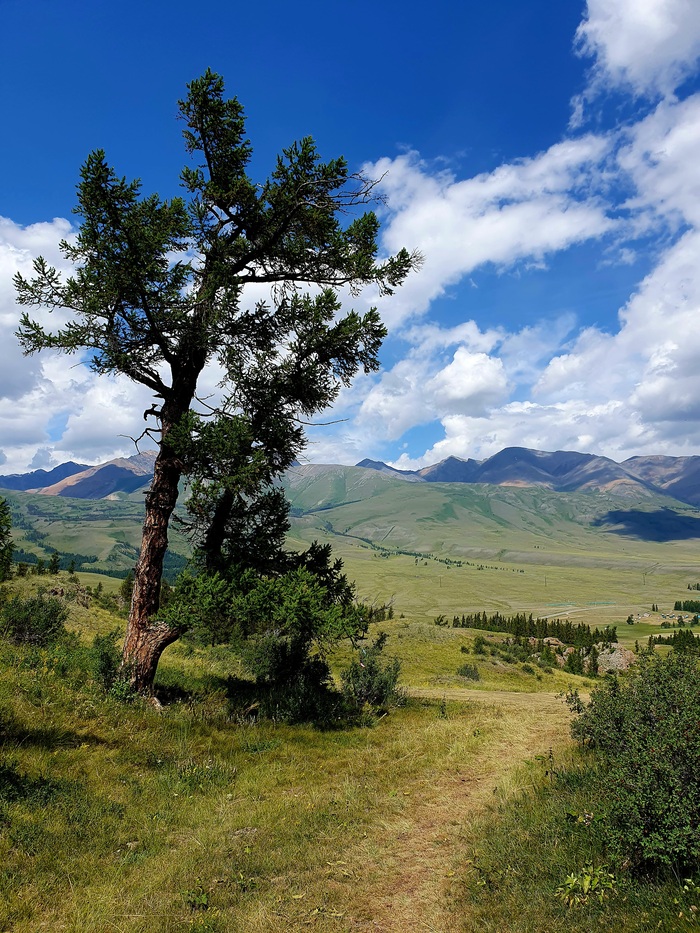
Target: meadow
[[464, 809], [449, 813]]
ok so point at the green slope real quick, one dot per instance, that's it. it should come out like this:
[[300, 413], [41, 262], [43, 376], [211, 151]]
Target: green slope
[[452, 548], [107, 531], [436, 547]]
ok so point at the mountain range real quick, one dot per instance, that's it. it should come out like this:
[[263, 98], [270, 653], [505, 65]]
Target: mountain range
[[559, 471], [79, 481], [564, 471]]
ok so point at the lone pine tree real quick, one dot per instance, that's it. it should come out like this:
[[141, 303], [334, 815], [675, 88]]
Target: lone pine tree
[[158, 292]]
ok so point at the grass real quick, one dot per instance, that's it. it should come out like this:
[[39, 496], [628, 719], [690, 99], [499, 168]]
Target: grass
[[521, 852], [123, 817], [430, 656], [120, 817]]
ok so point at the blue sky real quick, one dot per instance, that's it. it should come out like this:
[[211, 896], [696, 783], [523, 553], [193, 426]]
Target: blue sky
[[542, 157]]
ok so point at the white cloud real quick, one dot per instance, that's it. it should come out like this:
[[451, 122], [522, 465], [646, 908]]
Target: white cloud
[[523, 211], [647, 46], [18, 247], [43, 459], [633, 388], [660, 154], [472, 383], [35, 389]]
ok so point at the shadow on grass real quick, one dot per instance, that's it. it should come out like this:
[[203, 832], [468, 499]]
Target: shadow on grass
[[241, 701], [14, 733], [660, 525], [15, 786]]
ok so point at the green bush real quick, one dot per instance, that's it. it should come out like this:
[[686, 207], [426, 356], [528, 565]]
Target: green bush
[[372, 680], [574, 662], [479, 646], [645, 729], [470, 671], [37, 620], [305, 696], [106, 658]]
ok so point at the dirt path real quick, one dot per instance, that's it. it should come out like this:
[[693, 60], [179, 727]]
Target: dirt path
[[405, 869]]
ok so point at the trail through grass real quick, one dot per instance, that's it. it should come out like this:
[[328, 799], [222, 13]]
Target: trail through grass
[[411, 862]]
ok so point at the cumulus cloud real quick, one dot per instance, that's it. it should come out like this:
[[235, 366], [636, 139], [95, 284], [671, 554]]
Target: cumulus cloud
[[43, 459], [629, 192], [660, 155], [33, 390], [646, 46], [522, 211], [619, 391]]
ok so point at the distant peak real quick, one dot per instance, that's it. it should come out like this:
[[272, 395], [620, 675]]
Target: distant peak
[[373, 464]]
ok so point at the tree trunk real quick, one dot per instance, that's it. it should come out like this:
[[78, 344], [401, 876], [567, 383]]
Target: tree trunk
[[143, 647], [145, 640], [216, 532]]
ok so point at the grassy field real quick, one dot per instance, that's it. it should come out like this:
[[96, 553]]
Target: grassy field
[[448, 815]]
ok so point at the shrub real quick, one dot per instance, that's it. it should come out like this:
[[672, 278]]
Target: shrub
[[372, 680], [479, 646], [37, 620], [574, 662], [106, 658], [645, 729], [306, 696], [470, 671]]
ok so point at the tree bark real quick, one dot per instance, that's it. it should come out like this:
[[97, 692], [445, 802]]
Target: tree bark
[[216, 532], [145, 641], [143, 647]]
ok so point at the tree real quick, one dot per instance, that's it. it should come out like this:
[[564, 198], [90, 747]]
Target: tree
[[159, 291], [6, 546], [54, 563]]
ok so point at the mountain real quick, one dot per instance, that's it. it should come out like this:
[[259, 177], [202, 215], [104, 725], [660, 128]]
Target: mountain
[[39, 478], [370, 515], [676, 476], [565, 471], [452, 470], [411, 476], [78, 481], [559, 471]]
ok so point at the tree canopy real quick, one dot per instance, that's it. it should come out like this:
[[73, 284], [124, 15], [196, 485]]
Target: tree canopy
[[160, 289]]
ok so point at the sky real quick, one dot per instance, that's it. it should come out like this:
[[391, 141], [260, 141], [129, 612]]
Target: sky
[[542, 157]]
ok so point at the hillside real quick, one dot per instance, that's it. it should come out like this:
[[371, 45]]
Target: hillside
[[460, 520], [559, 471], [434, 547], [100, 535]]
